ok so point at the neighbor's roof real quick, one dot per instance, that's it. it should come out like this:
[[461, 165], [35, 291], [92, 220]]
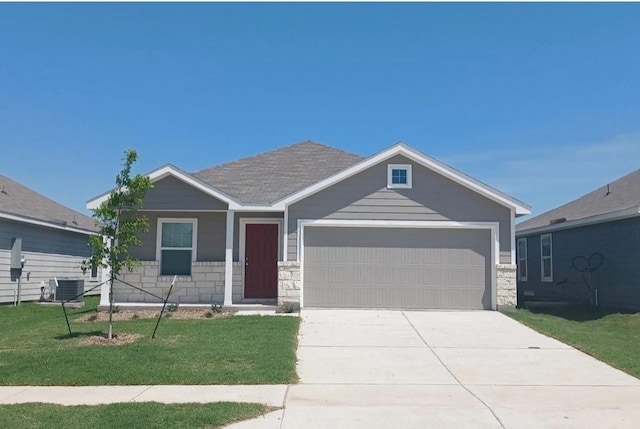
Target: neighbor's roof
[[21, 203], [270, 176], [622, 194]]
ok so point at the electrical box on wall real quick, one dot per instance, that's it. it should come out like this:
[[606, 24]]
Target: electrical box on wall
[[16, 254]]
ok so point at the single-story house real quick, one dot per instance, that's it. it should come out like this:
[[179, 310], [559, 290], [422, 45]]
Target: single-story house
[[587, 250], [46, 239], [323, 227]]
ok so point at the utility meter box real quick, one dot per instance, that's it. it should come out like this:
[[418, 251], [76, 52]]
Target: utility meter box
[[16, 254]]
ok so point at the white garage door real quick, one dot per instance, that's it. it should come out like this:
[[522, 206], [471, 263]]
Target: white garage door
[[371, 267]]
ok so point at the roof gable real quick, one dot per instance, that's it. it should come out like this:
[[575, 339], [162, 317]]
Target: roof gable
[[620, 195], [270, 176], [19, 203], [487, 191], [173, 171]]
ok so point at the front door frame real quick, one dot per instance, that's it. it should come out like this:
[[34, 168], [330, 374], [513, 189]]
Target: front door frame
[[243, 222]]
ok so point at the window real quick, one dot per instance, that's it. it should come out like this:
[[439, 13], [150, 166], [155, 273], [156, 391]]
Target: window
[[399, 176], [176, 246], [522, 259], [94, 274], [546, 259]]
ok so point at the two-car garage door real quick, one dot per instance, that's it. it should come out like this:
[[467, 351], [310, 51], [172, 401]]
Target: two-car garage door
[[397, 267]]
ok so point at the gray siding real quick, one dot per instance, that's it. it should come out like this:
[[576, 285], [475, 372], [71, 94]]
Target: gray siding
[[43, 240], [617, 279], [49, 253], [173, 194], [397, 268], [211, 235], [432, 198]]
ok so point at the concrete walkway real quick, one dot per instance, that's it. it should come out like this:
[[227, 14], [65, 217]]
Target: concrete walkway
[[272, 395], [391, 369]]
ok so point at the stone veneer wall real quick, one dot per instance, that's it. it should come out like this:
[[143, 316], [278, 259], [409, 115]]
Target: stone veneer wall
[[205, 285], [506, 285], [288, 282]]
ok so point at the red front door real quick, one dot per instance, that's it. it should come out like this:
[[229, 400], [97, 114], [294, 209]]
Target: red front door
[[261, 261]]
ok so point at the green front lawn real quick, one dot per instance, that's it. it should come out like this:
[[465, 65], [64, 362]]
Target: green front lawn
[[613, 338], [127, 415], [36, 349]]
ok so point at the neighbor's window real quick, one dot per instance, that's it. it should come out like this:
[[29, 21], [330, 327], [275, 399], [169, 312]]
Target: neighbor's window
[[177, 246], [522, 259], [94, 273], [546, 258], [399, 176]]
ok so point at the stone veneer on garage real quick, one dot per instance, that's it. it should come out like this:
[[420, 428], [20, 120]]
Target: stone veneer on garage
[[288, 282], [205, 285], [506, 285]]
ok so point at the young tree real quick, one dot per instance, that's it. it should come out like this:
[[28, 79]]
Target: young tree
[[119, 225]]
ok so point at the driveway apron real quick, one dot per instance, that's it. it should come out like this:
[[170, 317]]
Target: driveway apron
[[440, 369]]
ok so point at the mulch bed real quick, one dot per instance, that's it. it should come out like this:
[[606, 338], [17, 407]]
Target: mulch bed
[[181, 314], [102, 340]]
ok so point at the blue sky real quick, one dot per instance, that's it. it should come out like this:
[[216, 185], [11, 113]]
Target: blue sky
[[539, 100]]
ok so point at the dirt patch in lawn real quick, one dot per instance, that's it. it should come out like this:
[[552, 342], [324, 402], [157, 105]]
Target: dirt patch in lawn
[[103, 340], [181, 314]]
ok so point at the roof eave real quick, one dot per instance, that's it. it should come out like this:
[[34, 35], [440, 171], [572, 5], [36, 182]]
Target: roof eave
[[590, 220], [47, 224]]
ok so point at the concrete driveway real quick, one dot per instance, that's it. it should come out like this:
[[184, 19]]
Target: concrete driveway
[[440, 369]]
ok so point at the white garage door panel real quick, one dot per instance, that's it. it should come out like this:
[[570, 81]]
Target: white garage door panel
[[397, 268]]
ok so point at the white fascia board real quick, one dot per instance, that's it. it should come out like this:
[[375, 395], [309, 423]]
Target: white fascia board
[[17, 218], [428, 162], [170, 170], [249, 208], [434, 224], [591, 220]]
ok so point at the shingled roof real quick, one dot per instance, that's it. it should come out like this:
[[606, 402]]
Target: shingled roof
[[270, 176], [622, 194], [20, 201]]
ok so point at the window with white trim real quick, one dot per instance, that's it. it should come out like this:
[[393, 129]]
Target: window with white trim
[[399, 176], [176, 246], [93, 275], [546, 258], [521, 252]]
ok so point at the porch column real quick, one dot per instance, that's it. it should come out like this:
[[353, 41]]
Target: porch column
[[228, 259], [104, 278]]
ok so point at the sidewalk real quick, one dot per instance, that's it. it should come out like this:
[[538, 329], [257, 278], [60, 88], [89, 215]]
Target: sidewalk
[[272, 395]]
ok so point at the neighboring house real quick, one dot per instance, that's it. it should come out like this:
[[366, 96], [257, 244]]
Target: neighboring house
[[50, 237], [323, 227], [592, 243]]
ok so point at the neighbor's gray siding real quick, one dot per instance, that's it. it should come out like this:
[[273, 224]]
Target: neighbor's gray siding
[[432, 198], [211, 235], [43, 240], [49, 253], [617, 279], [173, 194]]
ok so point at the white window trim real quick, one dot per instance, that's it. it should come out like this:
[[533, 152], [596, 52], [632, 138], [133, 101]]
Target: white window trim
[[93, 278], [550, 257], [407, 167], [194, 240], [522, 259]]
